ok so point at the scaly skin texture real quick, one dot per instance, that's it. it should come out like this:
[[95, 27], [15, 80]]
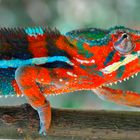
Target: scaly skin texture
[[39, 61]]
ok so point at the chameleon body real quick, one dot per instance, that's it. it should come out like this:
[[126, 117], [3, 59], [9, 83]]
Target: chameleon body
[[39, 61]]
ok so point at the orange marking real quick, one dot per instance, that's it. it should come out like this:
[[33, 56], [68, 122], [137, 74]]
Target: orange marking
[[38, 49], [16, 87]]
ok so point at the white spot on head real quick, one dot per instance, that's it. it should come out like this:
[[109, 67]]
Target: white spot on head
[[42, 79], [85, 61], [60, 80], [71, 74]]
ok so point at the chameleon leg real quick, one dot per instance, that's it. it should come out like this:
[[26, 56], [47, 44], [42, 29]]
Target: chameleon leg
[[128, 98], [27, 78]]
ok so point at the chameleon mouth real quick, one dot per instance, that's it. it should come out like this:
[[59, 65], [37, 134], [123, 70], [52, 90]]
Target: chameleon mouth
[[123, 84], [115, 66]]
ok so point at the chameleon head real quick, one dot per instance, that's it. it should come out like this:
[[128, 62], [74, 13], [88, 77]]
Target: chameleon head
[[125, 48], [112, 54]]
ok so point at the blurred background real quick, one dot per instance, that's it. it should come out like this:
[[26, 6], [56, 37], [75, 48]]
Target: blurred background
[[66, 15]]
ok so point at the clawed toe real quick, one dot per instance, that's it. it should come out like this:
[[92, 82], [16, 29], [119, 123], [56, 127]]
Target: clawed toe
[[42, 130]]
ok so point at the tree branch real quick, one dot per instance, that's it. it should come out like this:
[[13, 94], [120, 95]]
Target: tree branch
[[23, 122]]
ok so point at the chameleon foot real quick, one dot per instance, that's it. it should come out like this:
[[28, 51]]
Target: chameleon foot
[[45, 118], [42, 130]]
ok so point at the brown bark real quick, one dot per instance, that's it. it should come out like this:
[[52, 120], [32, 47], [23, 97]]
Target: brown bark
[[23, 122]]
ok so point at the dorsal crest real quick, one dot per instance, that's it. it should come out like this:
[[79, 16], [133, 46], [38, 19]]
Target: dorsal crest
[[21, 34], [91, 36]]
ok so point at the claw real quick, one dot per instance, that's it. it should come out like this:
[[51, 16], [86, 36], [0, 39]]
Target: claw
[[42, 130]]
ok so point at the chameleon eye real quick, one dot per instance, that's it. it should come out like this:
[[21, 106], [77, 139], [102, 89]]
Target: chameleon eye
[[124, 44]]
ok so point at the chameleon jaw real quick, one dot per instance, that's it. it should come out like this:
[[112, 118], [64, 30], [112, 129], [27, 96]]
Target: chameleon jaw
[[115, 66], [120, 81]]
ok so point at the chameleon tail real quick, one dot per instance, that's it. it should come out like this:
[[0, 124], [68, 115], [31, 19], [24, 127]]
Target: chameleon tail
[[27, 78], [128, 98]]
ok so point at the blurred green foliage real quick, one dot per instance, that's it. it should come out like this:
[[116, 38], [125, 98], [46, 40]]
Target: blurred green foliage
[[67, 15]]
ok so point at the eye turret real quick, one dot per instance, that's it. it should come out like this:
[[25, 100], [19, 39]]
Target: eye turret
[[124, 44]]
